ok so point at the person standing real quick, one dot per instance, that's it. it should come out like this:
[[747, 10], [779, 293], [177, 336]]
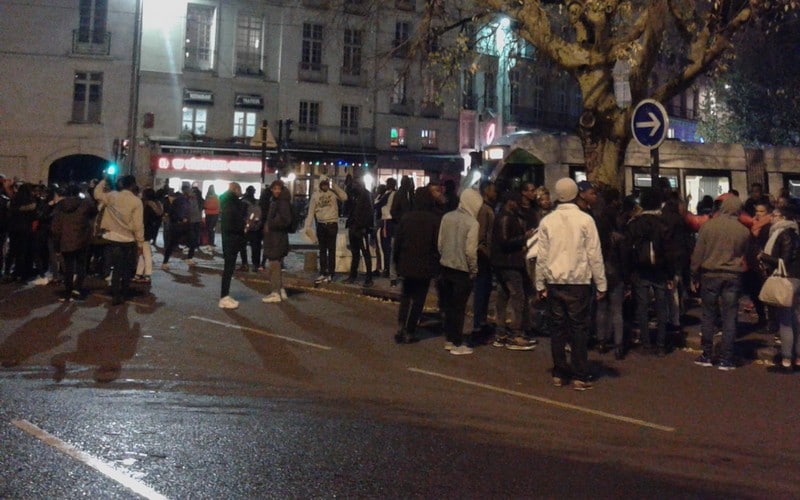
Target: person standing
[[483, 280], [458, 247], [359, 225], [416, 260], [783, 245], [211, 209], [152, 220], [569, 260], [233, 213], [276, 238], [509, 249], [179, 226], [717, 265], [71, 232], [323, 207], [387, 223], [123, 223]]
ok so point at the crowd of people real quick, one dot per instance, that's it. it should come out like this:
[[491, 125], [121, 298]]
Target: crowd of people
[[588, 267]]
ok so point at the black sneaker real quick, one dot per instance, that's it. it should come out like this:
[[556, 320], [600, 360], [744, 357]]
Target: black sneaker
[[368, 282], [703, 360], [349, 280]]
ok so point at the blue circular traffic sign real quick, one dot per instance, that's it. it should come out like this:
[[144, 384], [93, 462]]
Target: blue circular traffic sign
[[650, 123]]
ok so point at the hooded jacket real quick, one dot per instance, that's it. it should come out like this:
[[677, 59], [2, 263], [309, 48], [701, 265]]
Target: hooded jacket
[[721, 242], [416, 239], [458, 234], [71, 229], [276, 226]]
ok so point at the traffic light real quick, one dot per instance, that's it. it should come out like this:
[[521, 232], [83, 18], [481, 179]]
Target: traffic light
[[111, 169]]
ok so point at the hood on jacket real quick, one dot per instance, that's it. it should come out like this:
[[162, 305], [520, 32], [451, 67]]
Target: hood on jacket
[[731, 205], [471, 201], [70, 204]]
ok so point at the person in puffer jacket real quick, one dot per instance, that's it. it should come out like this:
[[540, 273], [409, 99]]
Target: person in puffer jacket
[[71, 231]]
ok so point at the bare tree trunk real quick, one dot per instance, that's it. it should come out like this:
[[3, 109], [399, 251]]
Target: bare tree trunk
[[604, 144]]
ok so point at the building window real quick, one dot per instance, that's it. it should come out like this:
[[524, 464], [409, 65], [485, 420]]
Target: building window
[[87, 97], [397, 137], [308, 121], [537, 96], [399, 89], [514, 89], [92, 23], [199, 37], [194, 120], [249, 31], [312, 46], [244, 123], [428, 137], [352, 52], [402, 30], [490, 90], [349, 122]]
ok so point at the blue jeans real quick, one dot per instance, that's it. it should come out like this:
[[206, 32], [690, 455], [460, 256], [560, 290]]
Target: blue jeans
[[609, 316], [641, 288], [725, 289]]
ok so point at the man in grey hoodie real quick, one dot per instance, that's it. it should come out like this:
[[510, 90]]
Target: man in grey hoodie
[[717, 264], [458, 248]]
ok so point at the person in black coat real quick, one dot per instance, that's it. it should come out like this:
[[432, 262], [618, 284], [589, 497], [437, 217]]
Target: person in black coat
[[233, 214], [72, 233], [359, 224], [652, 267], [417, 259], [276, 238]]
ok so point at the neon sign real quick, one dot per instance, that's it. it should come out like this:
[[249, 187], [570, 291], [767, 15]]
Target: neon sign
[[230, 164]]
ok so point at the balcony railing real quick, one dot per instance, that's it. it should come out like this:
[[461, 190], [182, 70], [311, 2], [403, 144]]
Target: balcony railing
[[431, 110], [347, 77], [402, 108], [94, 43], [335, 136], [531, 116], [312, 72]]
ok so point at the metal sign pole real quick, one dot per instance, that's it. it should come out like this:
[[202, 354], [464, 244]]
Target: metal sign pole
[[654, 167], [263, 150]]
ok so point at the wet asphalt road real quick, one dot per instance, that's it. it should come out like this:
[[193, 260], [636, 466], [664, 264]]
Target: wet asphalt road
[[312, 399]]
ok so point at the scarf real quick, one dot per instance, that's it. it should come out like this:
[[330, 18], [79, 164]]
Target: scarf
[[776, 229]]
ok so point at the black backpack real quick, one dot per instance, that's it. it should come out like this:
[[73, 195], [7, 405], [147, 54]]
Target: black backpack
[[648, 245]]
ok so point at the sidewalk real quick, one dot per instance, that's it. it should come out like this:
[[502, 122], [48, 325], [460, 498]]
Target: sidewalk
[[301, 264]]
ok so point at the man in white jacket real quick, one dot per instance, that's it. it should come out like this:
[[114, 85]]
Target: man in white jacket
[[569, 259], [324, 208]]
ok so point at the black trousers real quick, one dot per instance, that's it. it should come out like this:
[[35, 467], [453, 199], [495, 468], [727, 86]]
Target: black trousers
[[359, 245], [326, 234], [232, 244], [412, 302], [569, 307], [454, 289], [74, 269], [254, 241], [123, 258], [178, 233]]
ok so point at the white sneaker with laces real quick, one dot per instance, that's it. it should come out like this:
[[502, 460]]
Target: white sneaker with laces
[[284, 295], [41, 281], [320, 279], [272, 298], [461, 350], [228, 302]]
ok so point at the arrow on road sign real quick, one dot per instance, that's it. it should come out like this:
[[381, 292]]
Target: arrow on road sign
[[653, 124]]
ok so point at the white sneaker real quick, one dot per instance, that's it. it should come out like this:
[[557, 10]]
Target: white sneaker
[[448, 346], [41, 281], [190, 262], [320, 279], [461, 350], [227, 302], [165, 267], [272, 298], [284, 295]]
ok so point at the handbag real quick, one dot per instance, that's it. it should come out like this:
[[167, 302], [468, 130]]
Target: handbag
[[779, 290]]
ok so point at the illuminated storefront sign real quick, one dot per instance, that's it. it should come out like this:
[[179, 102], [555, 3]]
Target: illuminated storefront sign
[[230, 164]]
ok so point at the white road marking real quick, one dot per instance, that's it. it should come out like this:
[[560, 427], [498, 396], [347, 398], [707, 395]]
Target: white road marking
[[104, 468], [262, 332], [552, 402]]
